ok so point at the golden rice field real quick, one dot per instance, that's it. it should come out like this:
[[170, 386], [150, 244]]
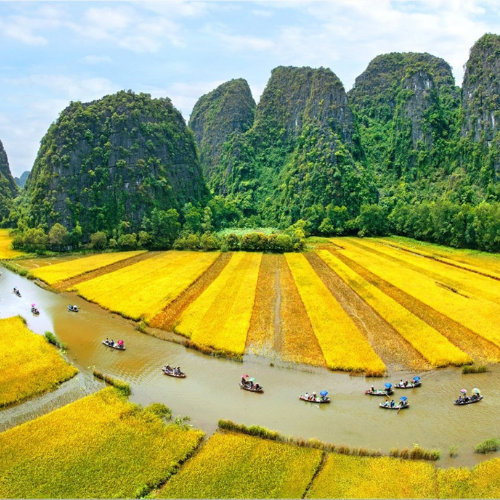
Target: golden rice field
[[378, 477], [101, 446], [143, 289], [220, 317], [433, 346], [234, 465], [482, 481], [62, 271], [344, 346], [473, 260], [5, 242], [348, 306], [29, 365], [474, 312]]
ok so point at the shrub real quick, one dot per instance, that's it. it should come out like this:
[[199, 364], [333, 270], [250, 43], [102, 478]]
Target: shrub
[[488, 446], [52, 339], [98, 240], [474, 369]]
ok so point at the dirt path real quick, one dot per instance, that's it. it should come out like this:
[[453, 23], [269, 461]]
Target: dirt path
[[69, 283], [395, 351], [480, 349]]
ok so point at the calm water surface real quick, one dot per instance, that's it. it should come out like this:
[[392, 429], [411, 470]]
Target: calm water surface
[[211, 390]]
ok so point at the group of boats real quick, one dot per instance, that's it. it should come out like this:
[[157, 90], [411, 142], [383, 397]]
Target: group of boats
[[388, 390]]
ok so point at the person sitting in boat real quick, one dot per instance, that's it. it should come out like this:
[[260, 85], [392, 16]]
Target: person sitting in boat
[[243, 380], [392, 403], [257, 386], [386, 404], [306, 395], [177, 371], [167, 368], [372, 388], [250, 384], [111, 342], [406, 383]]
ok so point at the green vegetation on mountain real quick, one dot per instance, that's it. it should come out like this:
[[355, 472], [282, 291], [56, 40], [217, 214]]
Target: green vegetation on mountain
[[8, 188], [109, 164], [407, 106], [405, 151], [301, 155], [227, 109]]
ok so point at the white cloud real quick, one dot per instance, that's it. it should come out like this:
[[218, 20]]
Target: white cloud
[[93, 59], [82, 89]]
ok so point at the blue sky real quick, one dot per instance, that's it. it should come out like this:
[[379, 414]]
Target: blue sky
[[56, 52]]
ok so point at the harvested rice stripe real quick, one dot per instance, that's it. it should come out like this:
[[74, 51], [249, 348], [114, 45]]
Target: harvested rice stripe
[[297, 342], [480, 316], [261, 333], [436, 348], [220, 317], [344, 346]]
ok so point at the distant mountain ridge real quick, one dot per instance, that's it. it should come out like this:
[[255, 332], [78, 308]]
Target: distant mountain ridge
[[21, 181], [404, 140]]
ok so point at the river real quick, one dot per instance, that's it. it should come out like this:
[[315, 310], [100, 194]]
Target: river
[[211, 391]]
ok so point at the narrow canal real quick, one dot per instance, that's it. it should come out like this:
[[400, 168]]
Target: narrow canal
[[211, 391]]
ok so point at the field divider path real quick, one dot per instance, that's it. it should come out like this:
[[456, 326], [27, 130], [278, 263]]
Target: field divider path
[[392, 348], [477, 315], [344, 346], [433, 346]]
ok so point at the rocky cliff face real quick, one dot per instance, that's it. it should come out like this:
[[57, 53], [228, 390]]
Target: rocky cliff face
[[8, 188], [303, 150], [407, 105], [114, 160], [481, 108], [228, 109]]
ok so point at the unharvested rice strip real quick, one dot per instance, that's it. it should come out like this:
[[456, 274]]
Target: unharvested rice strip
[[220, 318], [72, 282], [169, 316], [343, 345], [480, 349], [124, 279], [433, 346], [37, 262], [395, 351], [149, 288], [260, 337], [344, 476], [5, 242], [296, 339], [478, 315], [457, 279], [469, 263], [233, 465]]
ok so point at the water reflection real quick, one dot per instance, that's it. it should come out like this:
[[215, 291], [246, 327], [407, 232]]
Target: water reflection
[[211, 391]]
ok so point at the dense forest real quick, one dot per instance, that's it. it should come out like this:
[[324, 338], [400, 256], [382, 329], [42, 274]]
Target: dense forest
[[405, 151]]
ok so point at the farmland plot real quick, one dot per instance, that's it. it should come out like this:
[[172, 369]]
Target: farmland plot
[[344, 346], [436, 348], [101, 446], [65, 270], [29, 365], [145, 288], [232, 465], [220, 317], [479, 315]]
